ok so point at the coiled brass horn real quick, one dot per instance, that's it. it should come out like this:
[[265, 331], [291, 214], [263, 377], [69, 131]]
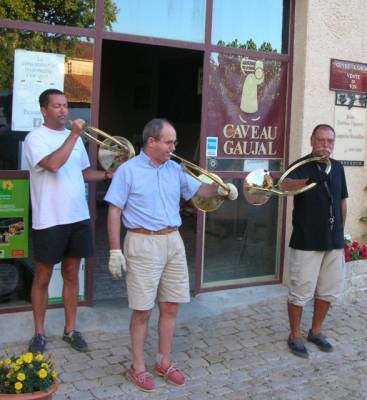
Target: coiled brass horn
[[201, 203], [258, 185], [113, 150]]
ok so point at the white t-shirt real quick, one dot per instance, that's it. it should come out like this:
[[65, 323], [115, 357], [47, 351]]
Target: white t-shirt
[[57, 198]]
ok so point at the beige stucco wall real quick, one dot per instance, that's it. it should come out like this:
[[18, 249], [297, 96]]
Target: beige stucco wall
[[326, 29]]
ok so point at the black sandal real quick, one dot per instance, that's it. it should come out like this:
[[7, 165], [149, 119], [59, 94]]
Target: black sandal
[[297, 347], [320, 341]]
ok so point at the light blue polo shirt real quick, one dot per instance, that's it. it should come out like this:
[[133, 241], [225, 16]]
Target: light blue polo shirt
[[149, 195]]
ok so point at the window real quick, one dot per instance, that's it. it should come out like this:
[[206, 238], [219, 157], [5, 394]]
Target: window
[[44, 60], [167, 19], [250, 24]]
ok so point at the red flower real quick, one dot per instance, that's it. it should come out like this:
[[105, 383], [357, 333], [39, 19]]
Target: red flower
[[354, 251], [347, 255], [363, 252]]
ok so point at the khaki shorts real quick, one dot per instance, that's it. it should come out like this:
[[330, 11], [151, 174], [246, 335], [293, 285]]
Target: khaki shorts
[[317, 274], [156, 268]]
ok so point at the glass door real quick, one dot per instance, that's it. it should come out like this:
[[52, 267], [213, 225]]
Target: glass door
[[245, 128]]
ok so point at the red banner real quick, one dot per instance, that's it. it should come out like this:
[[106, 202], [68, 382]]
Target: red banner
[[246, 108]]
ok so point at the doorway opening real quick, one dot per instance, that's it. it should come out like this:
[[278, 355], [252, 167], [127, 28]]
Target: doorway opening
[[140, 82]]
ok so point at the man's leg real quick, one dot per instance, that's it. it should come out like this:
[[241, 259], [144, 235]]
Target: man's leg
[[138, 331], [69, 271], [166, 328], [295, 315], [321, 307], [329, 287], [39, 295]]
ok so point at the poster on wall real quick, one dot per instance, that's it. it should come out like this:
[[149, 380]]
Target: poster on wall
[[350, 128], [246, 106], [14, 210], [34, 72]]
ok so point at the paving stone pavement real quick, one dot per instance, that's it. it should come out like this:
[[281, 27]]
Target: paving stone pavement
[[240, 354]]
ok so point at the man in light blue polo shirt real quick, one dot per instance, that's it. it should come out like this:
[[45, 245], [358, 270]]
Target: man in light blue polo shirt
[[145, 194]]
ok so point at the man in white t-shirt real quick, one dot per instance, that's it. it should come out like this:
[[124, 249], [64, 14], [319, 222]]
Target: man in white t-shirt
[[59, 166]]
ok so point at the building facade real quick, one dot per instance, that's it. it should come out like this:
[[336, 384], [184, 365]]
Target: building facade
[[244, 82]]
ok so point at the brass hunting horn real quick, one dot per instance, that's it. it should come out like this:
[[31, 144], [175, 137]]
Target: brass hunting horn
[[113, 150], [201, 203], [258, 185]]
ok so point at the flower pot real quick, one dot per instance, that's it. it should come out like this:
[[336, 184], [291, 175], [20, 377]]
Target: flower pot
[[41, 395]]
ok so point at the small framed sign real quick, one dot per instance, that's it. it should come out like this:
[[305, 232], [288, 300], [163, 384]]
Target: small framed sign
[[211, 146], [348, 76]]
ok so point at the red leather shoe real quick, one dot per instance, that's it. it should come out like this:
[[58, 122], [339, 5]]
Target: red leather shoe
[[171, 374], [142, 380]]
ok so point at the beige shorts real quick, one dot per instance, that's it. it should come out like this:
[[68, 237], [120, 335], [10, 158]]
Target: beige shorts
[[156, 268], [317, 274]]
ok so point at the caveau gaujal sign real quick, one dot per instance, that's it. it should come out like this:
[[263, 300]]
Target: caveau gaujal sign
[[250, 140], [246, 108]]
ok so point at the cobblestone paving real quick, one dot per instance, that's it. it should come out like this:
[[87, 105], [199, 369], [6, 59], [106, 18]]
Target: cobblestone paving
[[240, 354]]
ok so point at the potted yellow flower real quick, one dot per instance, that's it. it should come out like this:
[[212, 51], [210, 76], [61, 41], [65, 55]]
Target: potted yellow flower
[[27, 376]]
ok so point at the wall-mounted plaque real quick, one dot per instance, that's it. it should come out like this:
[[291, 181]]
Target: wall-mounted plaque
[[348, 76], [350, 128]]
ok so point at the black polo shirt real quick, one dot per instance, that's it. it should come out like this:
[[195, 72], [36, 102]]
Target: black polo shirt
[[311, 212]]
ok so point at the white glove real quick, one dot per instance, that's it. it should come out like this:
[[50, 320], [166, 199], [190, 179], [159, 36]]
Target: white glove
[[116, 263], [231, 193]]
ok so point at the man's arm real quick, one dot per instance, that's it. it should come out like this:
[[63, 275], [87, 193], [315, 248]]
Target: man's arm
[[292, 184], [343, 207], [207, 190], [117, 261], [93, 175], [114, 226], [57, 158]]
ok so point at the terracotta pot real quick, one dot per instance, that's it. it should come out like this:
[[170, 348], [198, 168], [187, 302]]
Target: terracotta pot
[[32, 396]]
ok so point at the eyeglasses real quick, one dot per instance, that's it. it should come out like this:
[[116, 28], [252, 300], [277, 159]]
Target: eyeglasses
[[329, 141], [168, 142]]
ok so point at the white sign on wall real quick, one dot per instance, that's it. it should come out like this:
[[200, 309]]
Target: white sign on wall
[[351, 129], [34, 72]]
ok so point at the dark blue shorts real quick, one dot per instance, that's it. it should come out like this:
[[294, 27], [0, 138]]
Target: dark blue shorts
[[52, 244]]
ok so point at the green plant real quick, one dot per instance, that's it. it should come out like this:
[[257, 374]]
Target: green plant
[[26, 373]]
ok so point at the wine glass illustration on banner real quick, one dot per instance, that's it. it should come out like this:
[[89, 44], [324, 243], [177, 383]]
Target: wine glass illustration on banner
[[254, 72]]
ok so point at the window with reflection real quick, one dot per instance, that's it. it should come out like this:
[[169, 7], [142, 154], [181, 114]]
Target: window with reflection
[[31, 62], [251, 24], [241, 242], [75, 13], [42, 61], [166, 19]]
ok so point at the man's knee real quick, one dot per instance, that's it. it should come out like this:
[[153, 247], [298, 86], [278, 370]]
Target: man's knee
[[69, 272], [141, 316], [329, 299], [70, 279], [298, 299], [168, 309], [42, 277]]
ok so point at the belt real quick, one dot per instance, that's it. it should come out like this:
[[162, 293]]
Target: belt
[[164, 231]]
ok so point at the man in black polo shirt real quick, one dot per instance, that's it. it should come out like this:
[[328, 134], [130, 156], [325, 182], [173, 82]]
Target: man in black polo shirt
[[317, 241]]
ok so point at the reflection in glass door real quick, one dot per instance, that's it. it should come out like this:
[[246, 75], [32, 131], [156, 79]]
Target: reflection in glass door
[[246, 122], [241, 242]]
